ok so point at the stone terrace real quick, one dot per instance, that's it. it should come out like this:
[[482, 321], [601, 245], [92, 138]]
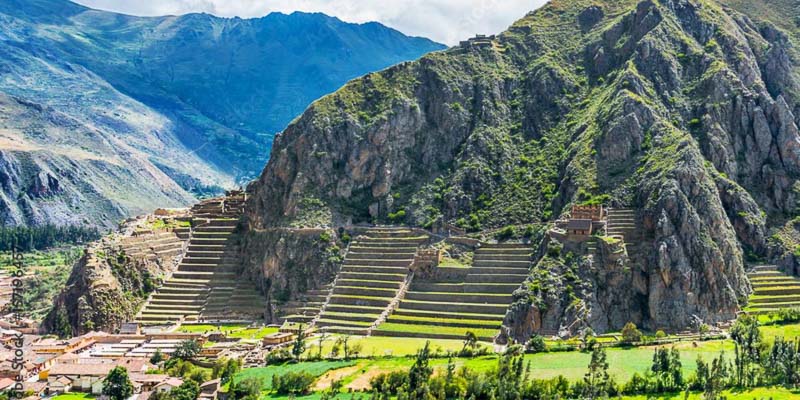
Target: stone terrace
[[772, 290], [471, 299], [372, 276], [205, 285]]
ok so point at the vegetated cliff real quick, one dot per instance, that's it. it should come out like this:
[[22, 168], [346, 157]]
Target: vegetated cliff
[[105, 289], [685, 110], [104, 116]]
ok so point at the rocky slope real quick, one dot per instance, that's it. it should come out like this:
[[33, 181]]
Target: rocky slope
[[684, 110], [105, 289], [106, 115]]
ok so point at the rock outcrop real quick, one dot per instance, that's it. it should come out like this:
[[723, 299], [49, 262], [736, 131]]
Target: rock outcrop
[[104, 290], [285, 263], [684, 110]]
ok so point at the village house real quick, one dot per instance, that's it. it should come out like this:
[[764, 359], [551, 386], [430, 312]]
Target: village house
[[58, 346], [579, 227], [146, 382], [167, 385], [209, 390], [277, 338], [64, 378], [88, 376]]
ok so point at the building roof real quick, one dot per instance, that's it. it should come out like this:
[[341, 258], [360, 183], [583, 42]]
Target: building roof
[[174, 382], [148, 378], [210, 384], [5, 382], [35, 387], [579, 224], [81, 369]]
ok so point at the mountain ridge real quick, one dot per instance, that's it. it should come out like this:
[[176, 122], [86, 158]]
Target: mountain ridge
[[198, 97], [669, 108]]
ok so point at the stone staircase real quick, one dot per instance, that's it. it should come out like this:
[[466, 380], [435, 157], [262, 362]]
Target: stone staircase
[[472, 299], [622, 222], [305, 309], [772, 290], [374, 269], [205, 286]]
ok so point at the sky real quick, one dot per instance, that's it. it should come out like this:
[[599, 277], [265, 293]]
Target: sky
[[445, 21]]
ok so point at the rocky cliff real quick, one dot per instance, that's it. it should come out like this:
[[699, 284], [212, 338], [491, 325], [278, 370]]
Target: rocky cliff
[[285, 263], [105, 289], [684, 110]]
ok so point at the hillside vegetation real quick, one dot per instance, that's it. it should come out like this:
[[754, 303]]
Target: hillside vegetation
[[683, 111]]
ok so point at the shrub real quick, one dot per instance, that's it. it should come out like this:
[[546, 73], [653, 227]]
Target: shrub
[[398, 216], [536, 344], [631, 334], [506, 233], [292, 383], [661, 334], [187, 349]]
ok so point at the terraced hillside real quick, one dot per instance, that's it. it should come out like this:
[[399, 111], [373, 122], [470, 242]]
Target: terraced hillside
[[772, 290], [305, 309], [622, 222], [205, 284], [472, 299], [152, 246], [373, 276]]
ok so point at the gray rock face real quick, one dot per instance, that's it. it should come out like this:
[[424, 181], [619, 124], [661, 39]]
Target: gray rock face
[[286, 263], [667, 108]]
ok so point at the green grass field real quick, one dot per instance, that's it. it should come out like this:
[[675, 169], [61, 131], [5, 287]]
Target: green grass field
[[433, 329], [386, 346], [265, 374], [773, 393], [73, 396], [253, 333], [201, 328]]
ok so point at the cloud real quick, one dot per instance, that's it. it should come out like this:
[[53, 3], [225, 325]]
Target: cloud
[[446, 21]]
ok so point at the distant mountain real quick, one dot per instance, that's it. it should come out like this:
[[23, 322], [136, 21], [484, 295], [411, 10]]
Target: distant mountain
[[105, 115]]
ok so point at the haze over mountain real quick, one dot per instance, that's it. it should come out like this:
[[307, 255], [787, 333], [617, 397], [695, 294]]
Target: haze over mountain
[[104, 115]]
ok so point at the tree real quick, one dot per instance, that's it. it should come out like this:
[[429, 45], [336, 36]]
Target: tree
[[292, 383], [322, 337], [247, 389], [186, 391], [470, 341], [667, 370], [597, 380], [419, 374], [157, 357], [716, 380], [631, 334], [341, 343], [226, 368], [299, 346], [117, 385], [187, 349], [748, 344]]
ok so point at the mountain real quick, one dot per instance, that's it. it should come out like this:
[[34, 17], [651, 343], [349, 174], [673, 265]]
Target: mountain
[[108, 115], [683, 111]]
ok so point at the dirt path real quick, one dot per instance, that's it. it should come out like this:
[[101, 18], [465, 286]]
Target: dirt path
[[325, 381]]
